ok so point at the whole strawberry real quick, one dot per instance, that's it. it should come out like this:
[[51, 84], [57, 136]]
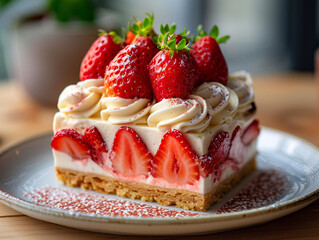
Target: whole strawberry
[[127, 76], [173, 71], [100, 54], [208, 56], [142, 34]]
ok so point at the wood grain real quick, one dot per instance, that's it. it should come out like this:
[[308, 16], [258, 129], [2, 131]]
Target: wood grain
[[288, 102]]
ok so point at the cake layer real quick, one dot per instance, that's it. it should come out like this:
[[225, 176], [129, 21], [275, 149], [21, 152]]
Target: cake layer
[[202, 186], [165, 196], [150, 136]]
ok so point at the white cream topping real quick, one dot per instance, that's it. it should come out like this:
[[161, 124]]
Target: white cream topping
[[241, 83], [83, 99], [189, 115], [223, 101], [117, 110]]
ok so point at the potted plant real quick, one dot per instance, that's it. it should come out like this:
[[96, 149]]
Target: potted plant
[[46, 47]]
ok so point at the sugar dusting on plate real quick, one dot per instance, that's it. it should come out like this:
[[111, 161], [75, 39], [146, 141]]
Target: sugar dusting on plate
[[75, 201], [266, 188]]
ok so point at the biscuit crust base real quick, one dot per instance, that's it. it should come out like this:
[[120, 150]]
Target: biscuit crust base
[[165, 196]]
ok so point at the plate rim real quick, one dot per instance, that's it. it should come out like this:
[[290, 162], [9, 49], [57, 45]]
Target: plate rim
[[13, 201]]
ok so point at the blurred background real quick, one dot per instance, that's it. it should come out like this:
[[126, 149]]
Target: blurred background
[[42, 42]]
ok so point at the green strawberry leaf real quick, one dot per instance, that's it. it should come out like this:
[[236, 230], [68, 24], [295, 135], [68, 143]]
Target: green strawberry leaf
[[162, 29], [172, 29], [144, 28], [214, 32], [116, 38], [171, 53], [223, 39], [181, 45]]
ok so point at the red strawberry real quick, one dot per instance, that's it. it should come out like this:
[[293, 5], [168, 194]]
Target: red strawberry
[[130, 157], [217, 153], [219, 147], [98, 147], [70, 142], [175, 160], [206, 165], [251, 133], [237, 150], [173, 72], [209, 58], [127, 75], [100, 54], [149, 48]]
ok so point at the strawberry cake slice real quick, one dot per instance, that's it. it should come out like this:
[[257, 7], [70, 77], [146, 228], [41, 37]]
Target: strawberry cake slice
[[163, 122]]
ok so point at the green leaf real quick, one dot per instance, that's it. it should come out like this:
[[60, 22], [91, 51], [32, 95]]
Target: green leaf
[[160, 38], [181, 45], [146, 22], [223, 39], [165, 38], [101, 32], [172, 44], [155, 39], [184, 33], [166, 28], [162, 29], [214, 32], [135, 28], [172, 29], [173, 38], [116, 38], [171, 53]]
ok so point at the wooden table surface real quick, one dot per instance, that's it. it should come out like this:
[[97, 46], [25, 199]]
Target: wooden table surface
[[287, 102]]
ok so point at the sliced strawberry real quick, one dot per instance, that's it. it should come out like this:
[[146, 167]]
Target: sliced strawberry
[[98, 147], [100, 54], [206, 165], [219, 147], [217, 153], [237, 150], [127, 76], [251, 133], [70, 142], [175, 160], [130, 157]]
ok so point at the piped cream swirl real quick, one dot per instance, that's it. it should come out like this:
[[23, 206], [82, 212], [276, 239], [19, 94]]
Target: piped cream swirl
[[189, 115], [223, 101], [83, 99], [117, 110], [241, 83]]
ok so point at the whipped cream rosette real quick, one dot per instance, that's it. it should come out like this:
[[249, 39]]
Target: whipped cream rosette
[[241, 83], [222, 100], [189, 115], [83, 99], [117, 110]]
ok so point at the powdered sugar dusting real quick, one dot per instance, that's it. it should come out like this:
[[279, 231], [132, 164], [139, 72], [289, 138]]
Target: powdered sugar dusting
[[75, 201], [266, 188]]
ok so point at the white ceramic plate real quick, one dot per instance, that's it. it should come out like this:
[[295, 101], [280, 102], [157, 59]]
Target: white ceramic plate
[[29, 165]]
